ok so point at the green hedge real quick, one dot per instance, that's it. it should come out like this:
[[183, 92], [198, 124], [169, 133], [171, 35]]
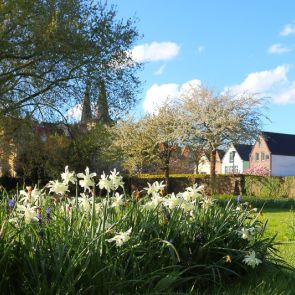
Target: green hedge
[[256, 202], [265, 187]]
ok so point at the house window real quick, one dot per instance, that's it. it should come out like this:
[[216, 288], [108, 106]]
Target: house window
[[232, 156], [262, 156], [231, 169], [257, 157], [267, 157]]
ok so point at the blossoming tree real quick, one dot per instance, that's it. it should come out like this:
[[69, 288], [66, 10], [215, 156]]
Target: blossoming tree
[[219, 119]]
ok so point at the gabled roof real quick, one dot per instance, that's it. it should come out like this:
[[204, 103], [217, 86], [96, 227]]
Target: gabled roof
[[221, 154], [244, 150], [280, 143]]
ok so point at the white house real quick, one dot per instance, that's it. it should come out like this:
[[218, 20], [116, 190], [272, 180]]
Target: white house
[[204, 163], [275, 152], [236, 159]]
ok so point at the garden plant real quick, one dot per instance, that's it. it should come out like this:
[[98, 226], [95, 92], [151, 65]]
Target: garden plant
[[57, 242]]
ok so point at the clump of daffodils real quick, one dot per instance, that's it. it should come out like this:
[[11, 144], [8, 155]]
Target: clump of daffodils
[[111, 182], [190, 215]]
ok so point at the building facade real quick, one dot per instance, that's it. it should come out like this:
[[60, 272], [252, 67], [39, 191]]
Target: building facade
[[274, 152], [236, 159]]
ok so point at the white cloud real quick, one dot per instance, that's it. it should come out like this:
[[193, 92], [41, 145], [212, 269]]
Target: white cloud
[[160, 70], [201, 49], [288, 30], [155, 51], [278, 49], [74, 113], [286, 95], [260, 82], [273, 83], [157, 95]]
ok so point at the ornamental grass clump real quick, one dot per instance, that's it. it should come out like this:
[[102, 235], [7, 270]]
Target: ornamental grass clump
[[92, 244]]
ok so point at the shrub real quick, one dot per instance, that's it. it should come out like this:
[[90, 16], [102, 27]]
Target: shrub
[[51, 242]]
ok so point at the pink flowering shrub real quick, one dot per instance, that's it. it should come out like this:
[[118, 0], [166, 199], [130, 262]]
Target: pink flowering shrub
[[257, 170]]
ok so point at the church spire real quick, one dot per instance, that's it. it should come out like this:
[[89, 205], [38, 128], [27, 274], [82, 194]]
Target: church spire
[[86, 107], [102, 107]]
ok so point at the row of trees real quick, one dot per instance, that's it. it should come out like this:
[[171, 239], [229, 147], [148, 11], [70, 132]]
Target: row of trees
[[40, 152], [53, 53], [201, 120]]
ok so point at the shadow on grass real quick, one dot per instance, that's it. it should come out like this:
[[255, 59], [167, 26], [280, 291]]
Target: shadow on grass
[[269, 281]]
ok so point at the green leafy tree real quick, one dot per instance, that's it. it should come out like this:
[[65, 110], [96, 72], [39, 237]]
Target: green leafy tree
[[50, 50], [90, 147]]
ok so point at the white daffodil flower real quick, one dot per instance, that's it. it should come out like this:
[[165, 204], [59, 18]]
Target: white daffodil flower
[[105, 183], [98, 207], [68, 176], [156, 187], [195, 192], [85, 202], [31, 196], [252, 260], [87, 181], [121, 238], [154, 203], [207, 202], [172, 202], [57, 187], [117, 201], [29, 213], [187, 206], [247, 233], [186, 196], [116, 180]]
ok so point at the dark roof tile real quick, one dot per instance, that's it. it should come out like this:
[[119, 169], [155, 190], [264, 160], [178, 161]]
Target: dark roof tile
[[280, 143], [244, 150]]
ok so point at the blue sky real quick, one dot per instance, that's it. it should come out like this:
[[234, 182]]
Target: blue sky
[[243, 45]]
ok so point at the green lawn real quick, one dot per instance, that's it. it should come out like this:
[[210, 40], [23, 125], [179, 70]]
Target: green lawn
[[269, 281]]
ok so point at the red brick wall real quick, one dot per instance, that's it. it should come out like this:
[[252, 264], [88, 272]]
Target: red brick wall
[[259, 148]]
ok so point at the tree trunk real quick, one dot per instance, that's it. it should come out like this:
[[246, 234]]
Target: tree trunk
[[213, 162], [166, 167], [212, 169], [167, 173]]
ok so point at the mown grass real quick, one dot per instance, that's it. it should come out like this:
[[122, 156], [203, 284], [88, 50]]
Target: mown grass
[[270, 281]]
